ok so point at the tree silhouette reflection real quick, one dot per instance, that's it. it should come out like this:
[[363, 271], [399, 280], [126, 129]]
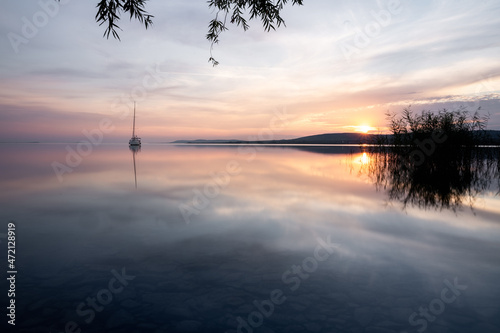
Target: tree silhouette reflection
[[448, 179]]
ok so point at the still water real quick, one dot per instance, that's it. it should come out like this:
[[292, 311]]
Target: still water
[[239, 239]]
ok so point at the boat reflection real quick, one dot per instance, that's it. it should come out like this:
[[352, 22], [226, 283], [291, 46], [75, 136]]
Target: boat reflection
[[135, 150]]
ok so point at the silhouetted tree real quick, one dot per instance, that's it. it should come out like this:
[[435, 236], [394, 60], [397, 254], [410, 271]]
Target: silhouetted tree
[[434, 159], [226, 11]]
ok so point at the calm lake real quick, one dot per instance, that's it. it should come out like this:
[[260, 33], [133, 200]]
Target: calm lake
[[241, 239]]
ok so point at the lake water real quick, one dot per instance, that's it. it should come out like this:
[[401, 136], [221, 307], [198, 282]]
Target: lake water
[[239, 239]]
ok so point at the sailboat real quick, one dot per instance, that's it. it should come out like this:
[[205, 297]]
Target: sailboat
[[135, 140]]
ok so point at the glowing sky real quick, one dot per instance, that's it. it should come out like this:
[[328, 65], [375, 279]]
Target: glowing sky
[[337, 65]]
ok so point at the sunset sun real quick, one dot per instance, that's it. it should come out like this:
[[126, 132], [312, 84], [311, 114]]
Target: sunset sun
[[363, 128]]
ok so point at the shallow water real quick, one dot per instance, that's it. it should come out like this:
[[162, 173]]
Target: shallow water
[[238, 239]]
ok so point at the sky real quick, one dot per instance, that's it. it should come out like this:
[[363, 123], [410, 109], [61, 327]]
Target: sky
[[337, 66]]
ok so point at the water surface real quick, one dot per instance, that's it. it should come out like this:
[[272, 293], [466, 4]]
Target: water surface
[[240, 239]]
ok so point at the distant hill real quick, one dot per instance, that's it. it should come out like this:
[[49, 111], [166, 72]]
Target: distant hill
[[495, 137], [209, 141], [328, 138]]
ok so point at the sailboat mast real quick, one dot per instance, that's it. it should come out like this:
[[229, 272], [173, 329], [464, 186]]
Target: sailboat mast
[[133, 129]]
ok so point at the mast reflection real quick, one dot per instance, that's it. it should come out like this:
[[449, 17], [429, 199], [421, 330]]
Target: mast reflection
[[135, 150]]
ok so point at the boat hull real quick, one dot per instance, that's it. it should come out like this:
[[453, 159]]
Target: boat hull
[[134, 142]]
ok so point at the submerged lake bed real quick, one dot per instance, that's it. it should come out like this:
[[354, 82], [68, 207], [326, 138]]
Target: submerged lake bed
[[241, 238]]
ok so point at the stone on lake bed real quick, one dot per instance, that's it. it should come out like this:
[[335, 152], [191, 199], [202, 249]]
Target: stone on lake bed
[[363, 316], [37, 305], [388, 324], [188, 326], [298, 307], [459, 319], [313, 327], [129, 303], [373, 329], [32, 322], [486, 328], [146, 326], [316, 317], [47, 312], [179, 312], [234, 300], [405, 302], [166, 298], [294, 328], [119, 318], [401, 314]]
